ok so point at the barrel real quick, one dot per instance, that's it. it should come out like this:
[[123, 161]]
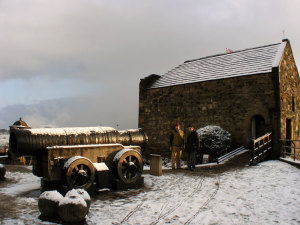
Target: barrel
[[35, 140]]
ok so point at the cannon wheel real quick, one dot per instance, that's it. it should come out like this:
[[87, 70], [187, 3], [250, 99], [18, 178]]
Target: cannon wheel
[[80, 172], [128, 165]]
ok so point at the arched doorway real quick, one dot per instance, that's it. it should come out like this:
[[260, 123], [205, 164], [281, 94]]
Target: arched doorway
[[258, 126]]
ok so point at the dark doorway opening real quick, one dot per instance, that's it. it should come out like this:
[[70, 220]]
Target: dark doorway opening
[[258, 126]]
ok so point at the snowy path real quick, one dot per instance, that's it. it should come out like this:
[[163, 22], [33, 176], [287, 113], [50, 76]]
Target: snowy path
[[167, 201], [265, 194]]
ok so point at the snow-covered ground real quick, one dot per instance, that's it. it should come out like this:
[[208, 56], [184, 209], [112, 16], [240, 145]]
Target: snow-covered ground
[[268, 193]]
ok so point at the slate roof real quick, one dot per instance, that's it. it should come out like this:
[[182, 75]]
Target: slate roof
[[250, 61]]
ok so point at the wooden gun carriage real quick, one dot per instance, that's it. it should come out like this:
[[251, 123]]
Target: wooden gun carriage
[[91, 158]]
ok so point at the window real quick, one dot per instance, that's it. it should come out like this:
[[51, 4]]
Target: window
[[289, 132], [293, 103]]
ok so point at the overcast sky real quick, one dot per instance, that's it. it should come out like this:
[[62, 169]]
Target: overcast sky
[[79, 62]]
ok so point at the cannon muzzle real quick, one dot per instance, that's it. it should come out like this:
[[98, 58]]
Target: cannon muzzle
[[33, 141]]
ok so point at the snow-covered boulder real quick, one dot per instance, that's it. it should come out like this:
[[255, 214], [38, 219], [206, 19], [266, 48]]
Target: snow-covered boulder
[[2, 171], [72, 209], [214, 139], [82, 193], [48, 203]]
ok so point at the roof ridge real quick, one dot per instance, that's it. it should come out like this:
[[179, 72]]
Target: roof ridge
[[220, 54]]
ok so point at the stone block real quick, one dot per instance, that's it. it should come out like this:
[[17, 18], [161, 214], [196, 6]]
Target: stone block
[[155, 165]]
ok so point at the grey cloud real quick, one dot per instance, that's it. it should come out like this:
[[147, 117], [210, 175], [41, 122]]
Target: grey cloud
[[112, 44], [74, 39]]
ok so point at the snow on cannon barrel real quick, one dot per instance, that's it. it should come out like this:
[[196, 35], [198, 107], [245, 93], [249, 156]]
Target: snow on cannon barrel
[[31, 141], [90, 158]]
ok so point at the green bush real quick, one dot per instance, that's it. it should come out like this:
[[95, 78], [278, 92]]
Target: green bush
[[214, 140]]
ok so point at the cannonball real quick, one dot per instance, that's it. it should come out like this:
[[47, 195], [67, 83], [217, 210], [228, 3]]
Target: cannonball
[[48, 203], [82, 193], [2, 171], [72, 209]]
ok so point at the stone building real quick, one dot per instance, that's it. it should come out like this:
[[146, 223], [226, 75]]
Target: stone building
[[248, 93]]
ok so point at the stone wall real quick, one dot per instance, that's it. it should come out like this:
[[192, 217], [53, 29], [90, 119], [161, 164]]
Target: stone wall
[[230, 103], [289, 95]]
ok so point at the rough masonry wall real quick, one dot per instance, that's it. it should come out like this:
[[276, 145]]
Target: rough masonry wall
[[289, 94], [230, 103]]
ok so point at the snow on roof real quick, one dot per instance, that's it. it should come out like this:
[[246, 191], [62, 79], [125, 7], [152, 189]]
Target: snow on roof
[[250, 61]]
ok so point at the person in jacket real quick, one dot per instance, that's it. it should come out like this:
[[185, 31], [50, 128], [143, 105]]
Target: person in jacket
[[191, 147], [176, 146]]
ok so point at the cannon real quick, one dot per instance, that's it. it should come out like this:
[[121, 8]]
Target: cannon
[[91, 158]]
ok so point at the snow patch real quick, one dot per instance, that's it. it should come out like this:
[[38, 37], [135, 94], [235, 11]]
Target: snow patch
[[52, 196], [82, 146], [70, 130], [291, 160], [24, 182], [100, 166], [80, 192], [73, 200]]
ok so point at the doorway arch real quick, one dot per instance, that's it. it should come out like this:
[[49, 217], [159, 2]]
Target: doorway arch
[[258, 126]]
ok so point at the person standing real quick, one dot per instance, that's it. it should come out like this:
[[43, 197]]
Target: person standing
[[176, 146], [191, 147]]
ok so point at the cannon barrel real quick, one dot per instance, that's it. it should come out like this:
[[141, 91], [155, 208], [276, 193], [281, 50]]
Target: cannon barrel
[[33, 141]]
